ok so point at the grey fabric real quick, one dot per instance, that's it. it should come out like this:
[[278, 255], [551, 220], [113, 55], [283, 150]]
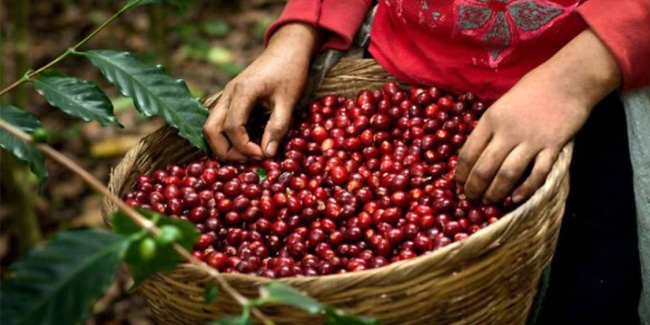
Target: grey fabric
[[637, 111]]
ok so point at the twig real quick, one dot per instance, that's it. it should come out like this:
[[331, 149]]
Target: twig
[[131, 213], [28, 75]]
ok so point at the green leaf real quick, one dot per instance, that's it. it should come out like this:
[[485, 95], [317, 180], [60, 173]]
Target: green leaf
[[278, 292], [261, 172], [217, 28], [20, 118], [165, 258], [55, 284], [210, 294], [281, 293], [154, 92], [78, 98], [335, 316], [232, 320], [22, 150]]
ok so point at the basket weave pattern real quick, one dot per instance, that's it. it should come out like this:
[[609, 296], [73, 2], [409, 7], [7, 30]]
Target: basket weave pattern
[[489, 278]]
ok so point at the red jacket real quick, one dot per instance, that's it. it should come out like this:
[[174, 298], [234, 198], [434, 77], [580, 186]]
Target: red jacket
[[484, 46]]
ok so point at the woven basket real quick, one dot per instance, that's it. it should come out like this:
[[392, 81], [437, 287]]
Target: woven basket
[[489, 278]]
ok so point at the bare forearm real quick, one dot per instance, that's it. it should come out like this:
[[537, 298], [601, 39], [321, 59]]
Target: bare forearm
[[533, 121], [296, 39], [584, 69]]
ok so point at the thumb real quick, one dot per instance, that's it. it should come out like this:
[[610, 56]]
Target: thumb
[[277, 126]]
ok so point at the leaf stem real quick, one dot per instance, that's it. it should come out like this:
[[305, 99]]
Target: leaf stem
[[143, 222], [29, 75], [12, 86]]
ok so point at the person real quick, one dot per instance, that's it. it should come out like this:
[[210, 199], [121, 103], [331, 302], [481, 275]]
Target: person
[[551, 68]]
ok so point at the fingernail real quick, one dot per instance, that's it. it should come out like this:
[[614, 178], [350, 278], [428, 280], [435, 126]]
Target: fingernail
[[271, 148], [517, 198]]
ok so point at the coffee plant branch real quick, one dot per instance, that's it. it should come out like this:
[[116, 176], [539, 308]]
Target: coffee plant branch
[[132, 214], [30, 74]]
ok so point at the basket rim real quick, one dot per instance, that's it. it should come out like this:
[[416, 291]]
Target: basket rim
[[488, 237], [559, 169]]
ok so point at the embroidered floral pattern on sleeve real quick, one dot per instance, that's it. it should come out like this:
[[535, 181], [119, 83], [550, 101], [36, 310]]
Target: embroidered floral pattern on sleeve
[[500, 24]]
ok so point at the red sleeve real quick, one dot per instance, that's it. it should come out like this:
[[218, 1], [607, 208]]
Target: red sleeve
[[624, 27], [340, 18]]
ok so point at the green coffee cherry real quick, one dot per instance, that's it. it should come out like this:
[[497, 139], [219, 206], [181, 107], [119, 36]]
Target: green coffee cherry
[[168, 234], [147, 249], [40, 135]]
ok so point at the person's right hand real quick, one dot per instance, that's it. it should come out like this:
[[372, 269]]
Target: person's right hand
[[275, 80]]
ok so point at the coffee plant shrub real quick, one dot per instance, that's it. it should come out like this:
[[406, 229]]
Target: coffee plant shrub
[[360, 183], [56, 283], [27, 123]]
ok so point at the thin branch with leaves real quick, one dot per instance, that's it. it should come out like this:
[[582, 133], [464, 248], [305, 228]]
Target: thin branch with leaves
[[55, 283], [143, 222]]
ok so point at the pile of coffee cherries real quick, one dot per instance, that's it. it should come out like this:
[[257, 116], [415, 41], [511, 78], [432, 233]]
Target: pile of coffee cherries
[[360, 183]]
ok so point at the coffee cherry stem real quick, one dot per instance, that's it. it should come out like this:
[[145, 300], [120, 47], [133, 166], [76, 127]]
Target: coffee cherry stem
[[140, 220]]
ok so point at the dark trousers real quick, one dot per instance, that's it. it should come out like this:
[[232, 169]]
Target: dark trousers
[[595, 274]]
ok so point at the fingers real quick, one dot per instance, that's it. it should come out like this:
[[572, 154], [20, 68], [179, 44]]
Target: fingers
[[277, 126], [471, 151], [543, 164], [510, 173], [486, 167], [235, 124], [213, 130]]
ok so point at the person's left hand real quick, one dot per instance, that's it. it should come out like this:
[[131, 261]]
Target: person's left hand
[[532, 122]]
